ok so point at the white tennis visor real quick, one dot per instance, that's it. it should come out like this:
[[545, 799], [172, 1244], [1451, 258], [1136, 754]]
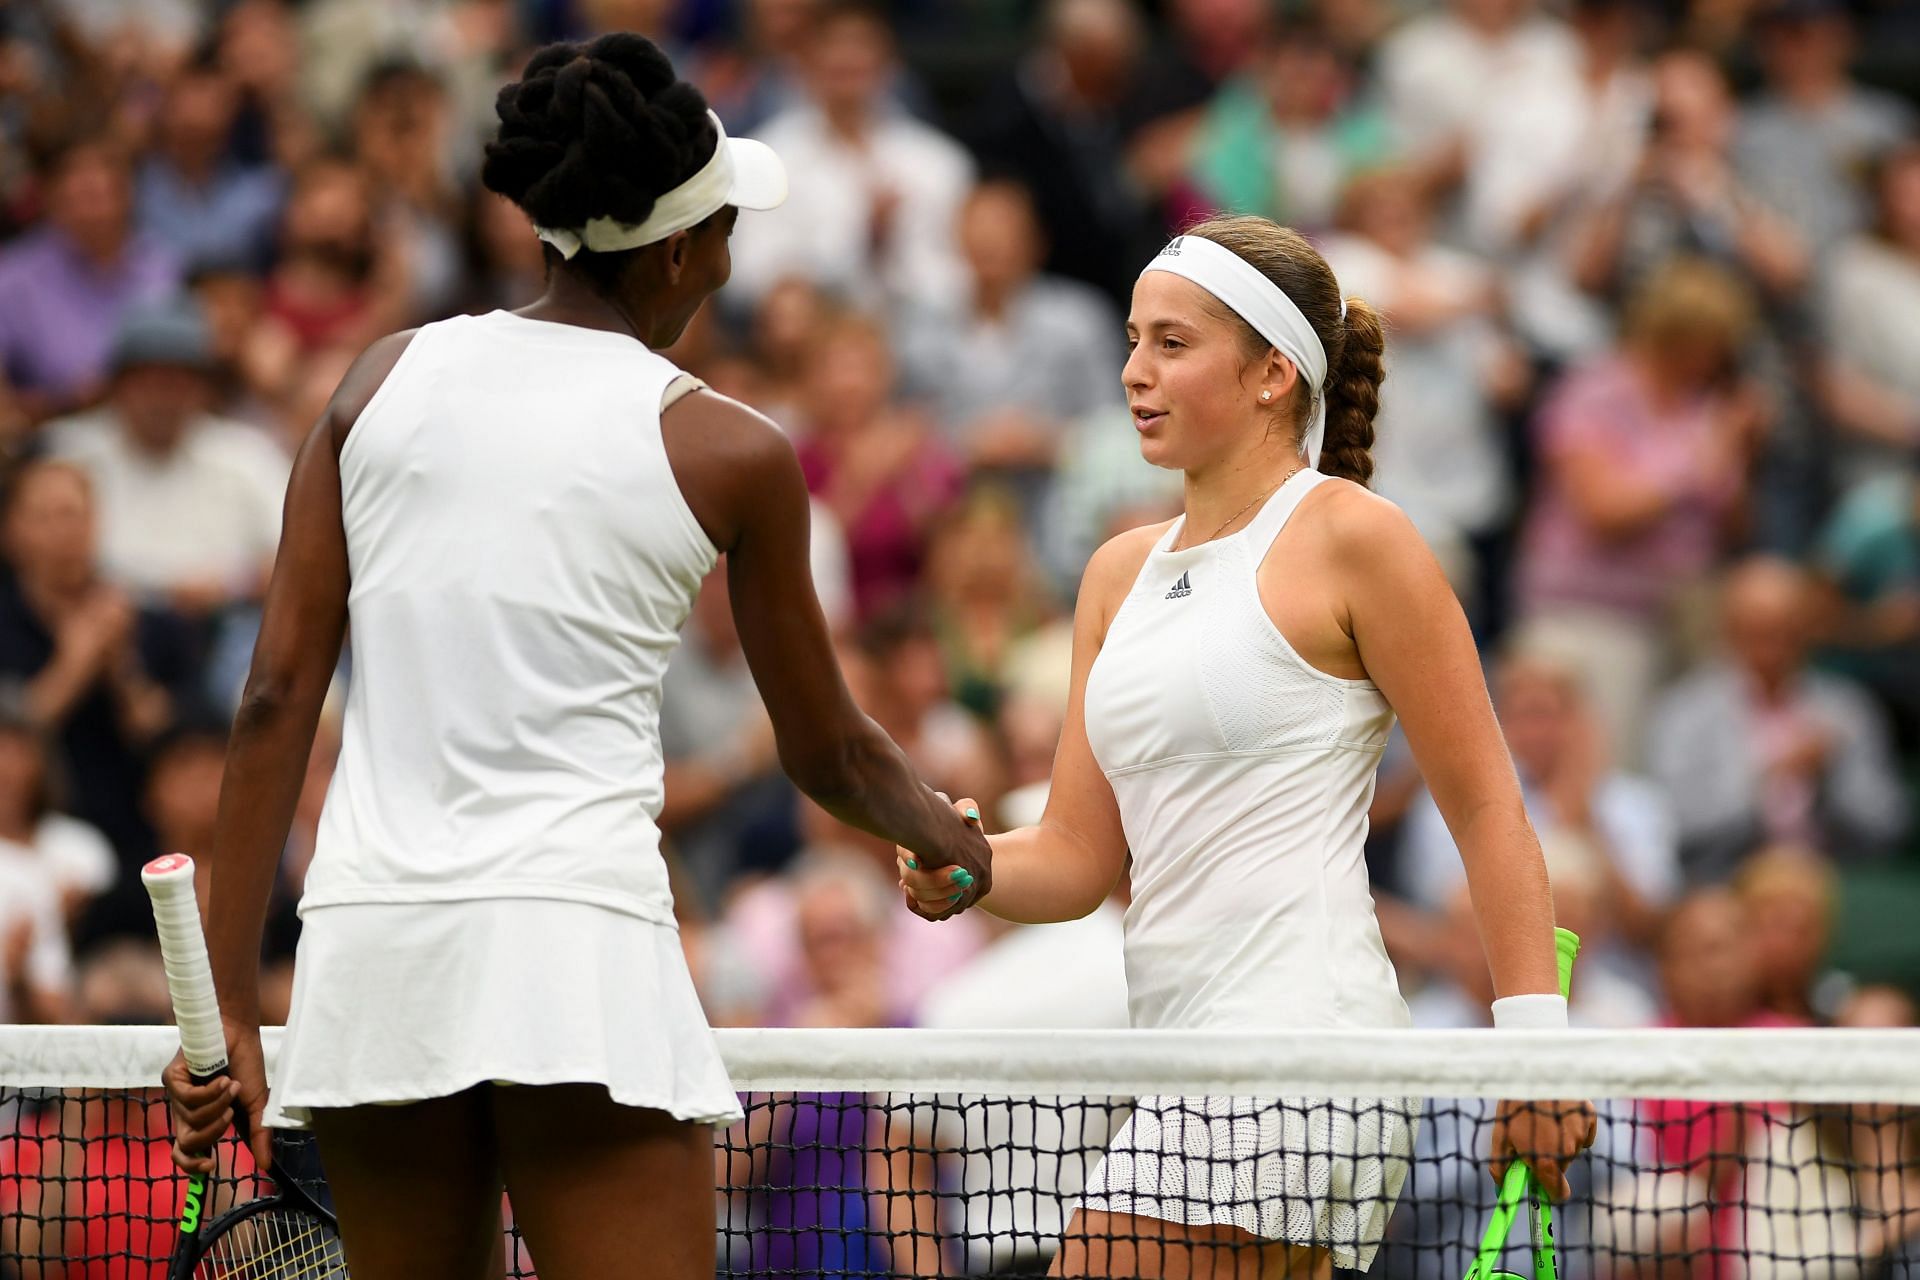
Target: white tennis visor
[[742, 172]]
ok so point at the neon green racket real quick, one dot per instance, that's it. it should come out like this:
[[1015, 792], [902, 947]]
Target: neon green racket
[[1519, 1187]]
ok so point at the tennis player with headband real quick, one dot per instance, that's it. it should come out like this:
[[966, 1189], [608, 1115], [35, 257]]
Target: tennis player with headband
[[515, 511], [1235, 673]]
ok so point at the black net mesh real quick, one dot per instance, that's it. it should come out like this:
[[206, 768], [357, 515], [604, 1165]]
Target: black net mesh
[[850, 1184]]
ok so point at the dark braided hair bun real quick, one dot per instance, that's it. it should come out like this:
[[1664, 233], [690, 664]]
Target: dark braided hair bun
[[597, 130]]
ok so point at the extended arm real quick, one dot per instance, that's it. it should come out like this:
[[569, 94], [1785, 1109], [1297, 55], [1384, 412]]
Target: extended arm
[[1066, 866], [743, 482]]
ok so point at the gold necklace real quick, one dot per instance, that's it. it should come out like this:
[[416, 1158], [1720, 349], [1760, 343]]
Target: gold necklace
[[1257, 498]]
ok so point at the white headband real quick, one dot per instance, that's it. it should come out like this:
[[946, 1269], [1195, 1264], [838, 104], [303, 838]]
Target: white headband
[[1257, 300], [742, 172]]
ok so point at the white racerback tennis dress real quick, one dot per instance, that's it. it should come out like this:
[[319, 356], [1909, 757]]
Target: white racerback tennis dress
[[1243, 777], [487, 900]]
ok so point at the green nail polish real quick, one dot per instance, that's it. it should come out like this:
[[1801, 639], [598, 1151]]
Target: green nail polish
[[961, 876], [956, 897], [912, 865], [974, 814]]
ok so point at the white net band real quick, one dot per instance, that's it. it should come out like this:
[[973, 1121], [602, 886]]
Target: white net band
[[1804, 1066]]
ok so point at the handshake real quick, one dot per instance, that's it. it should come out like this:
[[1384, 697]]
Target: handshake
[[966, 876]]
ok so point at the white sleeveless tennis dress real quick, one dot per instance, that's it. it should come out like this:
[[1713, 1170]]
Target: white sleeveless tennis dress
[[1243, 778], [487, 900]]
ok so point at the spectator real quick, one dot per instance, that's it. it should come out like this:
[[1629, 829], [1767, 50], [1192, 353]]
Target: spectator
[[1881, 1144], [1455, 373], [124, 984], [189, 503], [1061, 125], [401, 140], [1208, 43], [1549, 156], [1447, 76], [183, 785], [1282, 139], [841, 907], [68, 283], [986, 599], [36, 965], [1807, 139], [756, 76], [1608, 834], [194, 196], [876, 466], [1011, 362], [900, 675], [798, 1174], [1868, 558], [875, 195], [301, 402], [1643, 463], [259, 48], [96, 673], [1030, 725], [1687, 197], [763, 920], [1567, 141], [230, 299], [1684, 1195], [337, 282], [71, 853], [784, 339], [729, 810], [343, 42], [1869, 306], [1790, 896], [1755, 748]]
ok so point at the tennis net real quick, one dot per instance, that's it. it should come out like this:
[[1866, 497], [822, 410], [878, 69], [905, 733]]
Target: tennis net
[[1720, 1155]]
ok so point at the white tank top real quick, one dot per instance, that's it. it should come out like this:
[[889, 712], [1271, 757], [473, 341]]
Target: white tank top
[[1243, 777], [522, 561]]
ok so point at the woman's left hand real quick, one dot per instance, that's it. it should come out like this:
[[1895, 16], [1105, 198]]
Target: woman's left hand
[[1547, 1135]]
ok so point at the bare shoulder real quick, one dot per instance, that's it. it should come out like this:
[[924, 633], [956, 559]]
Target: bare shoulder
[[1361, 526], [735, 467], [730, 421], [1381, 566], [720, 429], [363, 379], [1111, 570]]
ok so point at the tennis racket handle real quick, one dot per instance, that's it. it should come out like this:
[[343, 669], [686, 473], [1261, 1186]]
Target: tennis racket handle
[[196, 1007]]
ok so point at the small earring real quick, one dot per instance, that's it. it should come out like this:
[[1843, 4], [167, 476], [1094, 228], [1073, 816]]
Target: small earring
[[1266, 395]]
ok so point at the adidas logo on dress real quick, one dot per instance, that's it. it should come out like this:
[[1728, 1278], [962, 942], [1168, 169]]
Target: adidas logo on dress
[[1181, 589]]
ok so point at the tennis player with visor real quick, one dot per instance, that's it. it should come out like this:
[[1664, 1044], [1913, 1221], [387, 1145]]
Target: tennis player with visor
[[513, 512]]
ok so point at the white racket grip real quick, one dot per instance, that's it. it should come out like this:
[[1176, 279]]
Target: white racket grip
[[196, 1008]]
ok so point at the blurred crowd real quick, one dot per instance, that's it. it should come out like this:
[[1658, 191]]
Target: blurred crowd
[[1652, 275]]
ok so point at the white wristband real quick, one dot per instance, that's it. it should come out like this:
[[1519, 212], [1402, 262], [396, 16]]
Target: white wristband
[[1539, 1012]]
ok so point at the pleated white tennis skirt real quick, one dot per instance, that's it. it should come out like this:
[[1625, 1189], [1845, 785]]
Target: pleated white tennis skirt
[[400, 1002], [1318, 1172]]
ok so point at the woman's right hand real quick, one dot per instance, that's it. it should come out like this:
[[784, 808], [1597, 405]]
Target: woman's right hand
[[202, 1112], [936, 893], [1547, 1135]]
